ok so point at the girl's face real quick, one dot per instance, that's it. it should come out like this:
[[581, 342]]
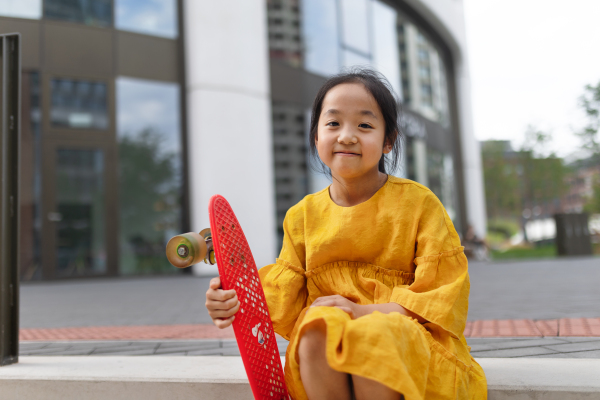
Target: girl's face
[[351, 131]]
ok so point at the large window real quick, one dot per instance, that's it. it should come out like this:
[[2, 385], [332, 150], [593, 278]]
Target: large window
[[345, 33], [21, 8], [150, 168], [424, 86], [78, 104], [290, 153], [89, 12], [355, 25], [321, 40], [153, 17], [81, 221], [385, 50]]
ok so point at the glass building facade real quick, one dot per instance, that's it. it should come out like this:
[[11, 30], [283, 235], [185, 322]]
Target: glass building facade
[[104, 181], [102, 166]]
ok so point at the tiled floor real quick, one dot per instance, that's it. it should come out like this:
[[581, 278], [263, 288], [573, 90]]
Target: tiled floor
[[552, 347], [203, 347]]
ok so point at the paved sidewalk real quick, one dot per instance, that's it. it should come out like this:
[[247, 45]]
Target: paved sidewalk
[[536, 290], [206, 347], [555, 302], [540, 289]]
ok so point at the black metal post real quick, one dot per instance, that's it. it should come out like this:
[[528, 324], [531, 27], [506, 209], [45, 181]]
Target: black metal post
[[10, 133]]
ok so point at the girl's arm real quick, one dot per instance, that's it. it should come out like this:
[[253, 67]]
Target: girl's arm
[[357, 310]]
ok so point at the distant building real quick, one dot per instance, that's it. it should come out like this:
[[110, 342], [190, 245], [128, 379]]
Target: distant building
[[581, 186], [135, 113]]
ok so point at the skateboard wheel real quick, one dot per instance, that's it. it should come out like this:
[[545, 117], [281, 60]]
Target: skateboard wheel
[[186, 249]]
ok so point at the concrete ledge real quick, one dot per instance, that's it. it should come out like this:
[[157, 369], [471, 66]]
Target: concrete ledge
[[542, 378], [207, 378]]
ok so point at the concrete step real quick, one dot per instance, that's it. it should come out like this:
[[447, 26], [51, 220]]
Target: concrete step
[[207, 378]]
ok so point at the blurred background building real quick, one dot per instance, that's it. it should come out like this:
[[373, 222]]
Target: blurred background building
[[136, 111]]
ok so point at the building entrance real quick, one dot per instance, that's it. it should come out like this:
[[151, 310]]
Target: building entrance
[[78, 207]]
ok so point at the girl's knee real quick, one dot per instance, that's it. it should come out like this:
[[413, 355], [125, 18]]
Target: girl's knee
[[312, 342]]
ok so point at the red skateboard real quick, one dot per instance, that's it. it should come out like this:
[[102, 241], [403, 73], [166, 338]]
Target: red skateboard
[[226, 244]]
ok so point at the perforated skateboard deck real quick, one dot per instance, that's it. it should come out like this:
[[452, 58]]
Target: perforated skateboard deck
[[252, 324]]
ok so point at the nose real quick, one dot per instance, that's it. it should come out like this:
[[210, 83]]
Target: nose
[[347, 136]]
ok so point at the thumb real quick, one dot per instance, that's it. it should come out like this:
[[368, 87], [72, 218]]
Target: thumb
[[215, 283]]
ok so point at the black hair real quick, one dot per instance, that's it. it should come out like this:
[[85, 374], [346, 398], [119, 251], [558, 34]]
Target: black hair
[[381, 90]]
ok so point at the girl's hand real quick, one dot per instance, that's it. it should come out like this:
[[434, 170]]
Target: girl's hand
[[221, 304], [353, 309]]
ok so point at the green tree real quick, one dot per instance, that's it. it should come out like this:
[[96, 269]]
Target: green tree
[[590, 138], [501, 174], [544, 173], [523, 179], [150, 198]]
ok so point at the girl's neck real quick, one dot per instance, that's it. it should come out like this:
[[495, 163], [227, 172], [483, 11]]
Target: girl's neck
[[350, 192]]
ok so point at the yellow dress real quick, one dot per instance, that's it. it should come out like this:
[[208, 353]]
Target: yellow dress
[[399, 246]]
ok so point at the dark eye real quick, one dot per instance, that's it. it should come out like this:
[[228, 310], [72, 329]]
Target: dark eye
[[365, 126], [333, 123]]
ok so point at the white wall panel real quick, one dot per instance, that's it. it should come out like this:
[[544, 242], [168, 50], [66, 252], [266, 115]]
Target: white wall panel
[[229, 118]]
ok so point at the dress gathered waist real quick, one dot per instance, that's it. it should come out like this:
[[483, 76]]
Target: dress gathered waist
[[365, 269]]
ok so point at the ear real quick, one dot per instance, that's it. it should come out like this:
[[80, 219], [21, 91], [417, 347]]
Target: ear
[[387, 147]]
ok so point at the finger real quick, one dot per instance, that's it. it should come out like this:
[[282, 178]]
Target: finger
[[325, 298], [213, 305], [223, 323], [220, 294], [326, 303], [320, 299], [222, 314], [215, 283]]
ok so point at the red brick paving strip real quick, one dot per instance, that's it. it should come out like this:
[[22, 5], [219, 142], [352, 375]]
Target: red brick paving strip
[[468, 329], [504, 328], [579, 327], [492, 328], [197, 331], [548, 327]]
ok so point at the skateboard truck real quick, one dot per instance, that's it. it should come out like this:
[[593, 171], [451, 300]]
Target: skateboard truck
[[191, 248]]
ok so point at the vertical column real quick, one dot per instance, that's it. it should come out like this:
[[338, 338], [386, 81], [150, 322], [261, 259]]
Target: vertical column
[[420, 153], [472, 169], [229, 118], [10, 130]]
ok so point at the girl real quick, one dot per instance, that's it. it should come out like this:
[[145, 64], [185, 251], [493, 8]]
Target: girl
[[371, 285]]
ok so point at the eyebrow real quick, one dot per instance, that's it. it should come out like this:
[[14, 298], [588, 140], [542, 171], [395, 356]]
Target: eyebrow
[[362, 112]]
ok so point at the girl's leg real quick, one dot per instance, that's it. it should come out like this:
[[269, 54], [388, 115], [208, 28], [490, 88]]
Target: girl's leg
[[319, 380], [367, 389]]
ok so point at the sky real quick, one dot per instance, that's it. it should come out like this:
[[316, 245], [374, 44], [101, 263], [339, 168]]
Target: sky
[[530, 61]]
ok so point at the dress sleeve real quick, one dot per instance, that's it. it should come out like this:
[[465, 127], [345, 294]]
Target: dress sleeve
[[284, 282], [440, 292]]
